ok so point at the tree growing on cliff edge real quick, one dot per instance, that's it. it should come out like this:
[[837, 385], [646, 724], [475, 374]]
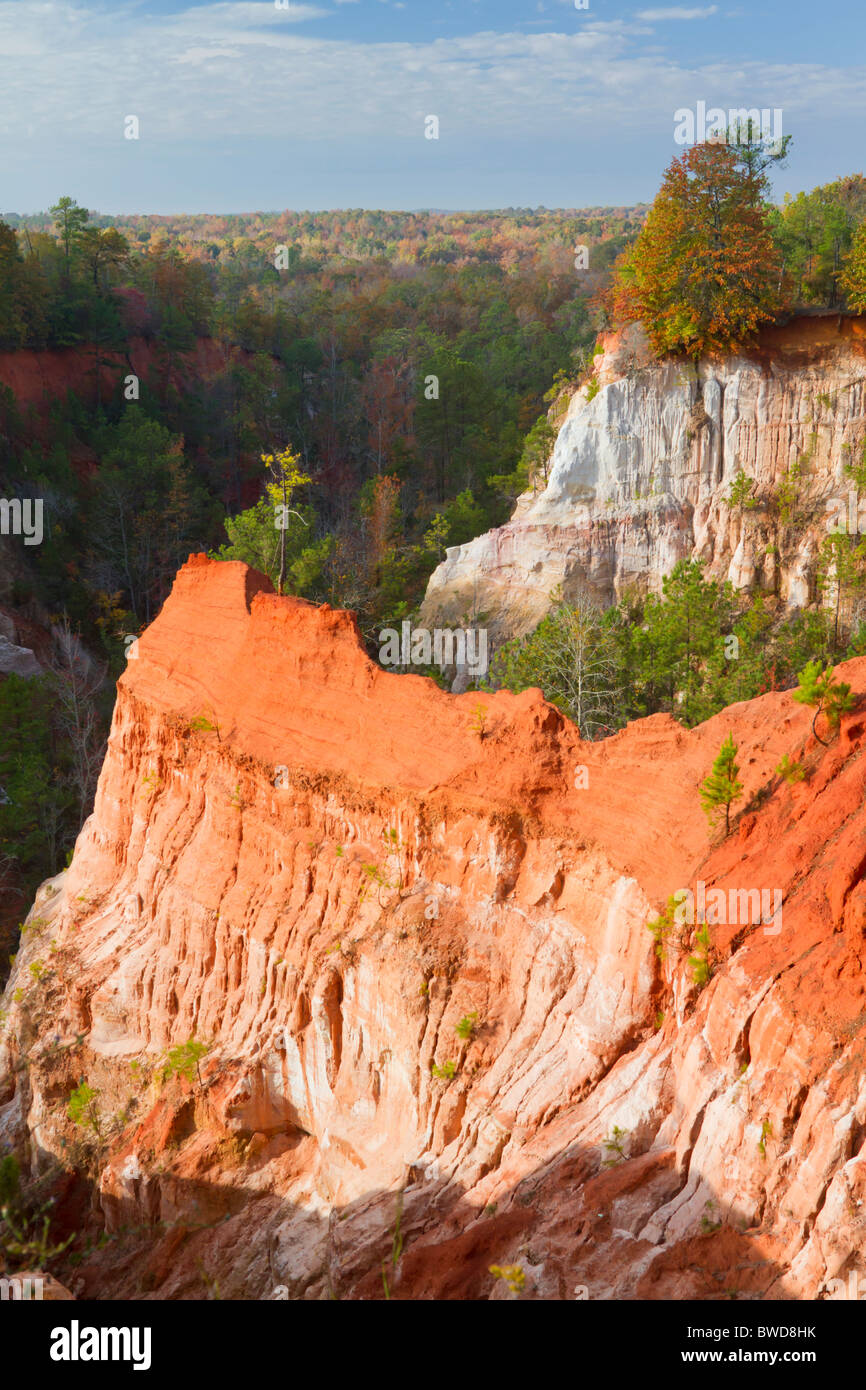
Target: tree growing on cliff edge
[[102, 248], [853, 279], [722, 787], [814, 233], [704, 272], [832, 698]]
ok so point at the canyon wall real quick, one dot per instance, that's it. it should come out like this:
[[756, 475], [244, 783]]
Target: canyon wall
[[642, 470], [337, 879]]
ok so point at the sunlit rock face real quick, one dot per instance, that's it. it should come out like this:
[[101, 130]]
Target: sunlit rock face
[[328, 876], [641, 473]]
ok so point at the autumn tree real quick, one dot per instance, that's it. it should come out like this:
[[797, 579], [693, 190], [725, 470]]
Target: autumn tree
[[703, 274], [388, 406], [380, 506]]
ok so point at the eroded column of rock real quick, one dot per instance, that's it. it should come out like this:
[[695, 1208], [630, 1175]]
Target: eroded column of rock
[[324, 873]]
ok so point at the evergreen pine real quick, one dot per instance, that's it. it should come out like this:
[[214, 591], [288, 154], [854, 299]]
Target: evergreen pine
[[818, 688], [722, 786]]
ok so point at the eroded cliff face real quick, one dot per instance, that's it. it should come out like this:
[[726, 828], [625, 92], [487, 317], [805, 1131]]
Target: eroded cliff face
[[318, 869], [642, 470]]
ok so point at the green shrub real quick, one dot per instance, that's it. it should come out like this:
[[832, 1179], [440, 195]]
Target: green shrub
[[766, 1133], [615, 1147], [82, 1108], [25, 1221], [787, 494], [665, 928], [740, 494], [184, 1061], [700, 961], [446, 1072], [467, 1025], [791, 771]]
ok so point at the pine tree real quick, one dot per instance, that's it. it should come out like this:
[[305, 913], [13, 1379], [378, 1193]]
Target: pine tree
[[722, 786], [70, 220], [818, 688], [841, 573], [680, 635]]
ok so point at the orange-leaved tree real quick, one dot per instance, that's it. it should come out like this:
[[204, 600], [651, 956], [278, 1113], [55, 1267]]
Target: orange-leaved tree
[[703, 274]]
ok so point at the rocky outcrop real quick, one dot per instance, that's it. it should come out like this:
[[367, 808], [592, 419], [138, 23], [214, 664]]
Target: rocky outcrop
[[411, 937], [17, 661], [642, 471]]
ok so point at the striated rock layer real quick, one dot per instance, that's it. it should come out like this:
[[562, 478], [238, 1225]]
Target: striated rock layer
[[642, 470], [318, 869]]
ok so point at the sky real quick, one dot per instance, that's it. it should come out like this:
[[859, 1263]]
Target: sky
[[260, 105]]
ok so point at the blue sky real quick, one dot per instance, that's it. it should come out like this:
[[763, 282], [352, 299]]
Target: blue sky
[[243, 105]]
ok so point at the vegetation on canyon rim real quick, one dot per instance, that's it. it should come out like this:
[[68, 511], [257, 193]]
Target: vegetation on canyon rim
[[689, 651], [721, 788], [714, 259]]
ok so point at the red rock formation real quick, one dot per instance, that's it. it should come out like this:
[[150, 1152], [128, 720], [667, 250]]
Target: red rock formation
[[319, 868]]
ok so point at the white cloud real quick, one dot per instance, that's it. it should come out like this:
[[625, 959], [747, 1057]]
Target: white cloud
[[239, 71]]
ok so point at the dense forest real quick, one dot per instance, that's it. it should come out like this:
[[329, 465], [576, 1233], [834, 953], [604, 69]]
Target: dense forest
[[335, 351], [402, 359], [386, 377]]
